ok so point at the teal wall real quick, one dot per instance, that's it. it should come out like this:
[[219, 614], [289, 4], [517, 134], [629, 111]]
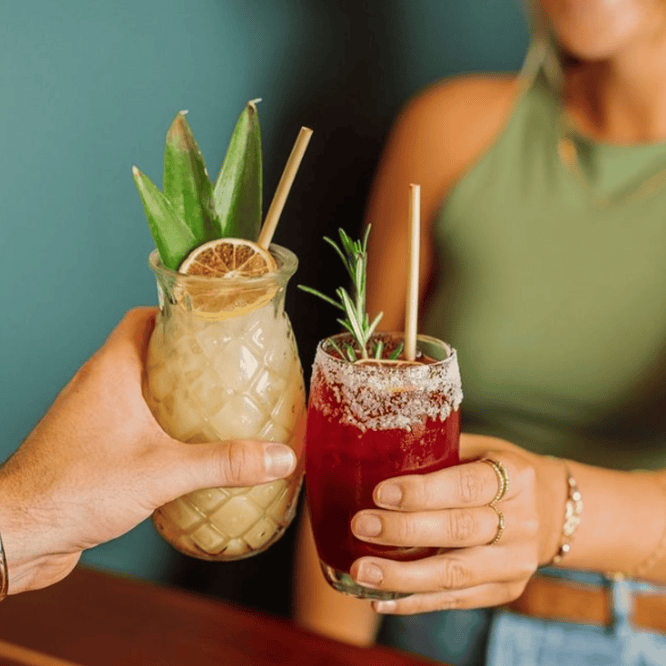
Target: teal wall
[[89, 87]]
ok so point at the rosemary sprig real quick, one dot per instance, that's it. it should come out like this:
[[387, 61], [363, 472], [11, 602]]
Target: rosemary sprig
[[354, 255], [396, 352]]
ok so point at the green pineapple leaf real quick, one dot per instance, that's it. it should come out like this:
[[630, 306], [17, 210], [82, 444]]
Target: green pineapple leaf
[[186, 183], [237, 190], [173, 238]]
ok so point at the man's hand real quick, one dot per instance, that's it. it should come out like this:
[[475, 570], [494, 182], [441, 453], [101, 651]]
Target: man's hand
[[98, 464]]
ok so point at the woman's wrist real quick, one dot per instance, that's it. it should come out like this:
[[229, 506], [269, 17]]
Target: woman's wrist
[[552, 479], [573, 514], [623, 524]]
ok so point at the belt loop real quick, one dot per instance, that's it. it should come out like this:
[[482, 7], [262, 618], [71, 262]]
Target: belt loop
[[621, 606]]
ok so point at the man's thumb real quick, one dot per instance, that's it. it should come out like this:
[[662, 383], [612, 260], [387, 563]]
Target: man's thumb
[[236, 463]]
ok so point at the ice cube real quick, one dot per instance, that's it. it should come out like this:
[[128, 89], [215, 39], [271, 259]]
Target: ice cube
[[291, 403], [268, 387], [262, 532], [212, 339], [236, 516], [283, 507], [274, 432], [208, 499], [209, 539], [208, 391], [160, 381], [239, 418], [183, 515], [236, 548], [236, 364], [265, 493], [185, 422]]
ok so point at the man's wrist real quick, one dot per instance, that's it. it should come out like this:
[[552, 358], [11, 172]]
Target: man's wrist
[[4, 576], [14, 534]]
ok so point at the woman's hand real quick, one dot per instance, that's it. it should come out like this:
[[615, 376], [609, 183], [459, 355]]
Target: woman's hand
[[98, 464], [450, 509]]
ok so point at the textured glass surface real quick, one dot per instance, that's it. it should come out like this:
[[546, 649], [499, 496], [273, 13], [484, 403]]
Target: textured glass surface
[[231, 377]]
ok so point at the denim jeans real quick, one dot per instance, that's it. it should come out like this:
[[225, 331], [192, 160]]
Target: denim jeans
[[500, 638]]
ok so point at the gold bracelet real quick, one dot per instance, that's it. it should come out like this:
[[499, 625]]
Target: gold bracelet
[[573, 510], [4, 578], [658, 552]]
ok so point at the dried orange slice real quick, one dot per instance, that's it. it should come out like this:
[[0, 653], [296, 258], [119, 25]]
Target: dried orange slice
[[228, 258]]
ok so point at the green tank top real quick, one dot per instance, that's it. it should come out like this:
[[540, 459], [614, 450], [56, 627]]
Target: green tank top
[[552, 288]]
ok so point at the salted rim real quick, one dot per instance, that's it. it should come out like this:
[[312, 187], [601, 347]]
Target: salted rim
[[387, 397]]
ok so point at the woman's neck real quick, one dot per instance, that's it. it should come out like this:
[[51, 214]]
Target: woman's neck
[[621, 99]]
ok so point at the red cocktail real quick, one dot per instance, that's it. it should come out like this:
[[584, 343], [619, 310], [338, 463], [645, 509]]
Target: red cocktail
[[369, 421]]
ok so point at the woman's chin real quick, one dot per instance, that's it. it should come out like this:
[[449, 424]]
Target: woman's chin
[[593, 45]]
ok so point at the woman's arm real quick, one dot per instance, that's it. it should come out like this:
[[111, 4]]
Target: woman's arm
[[623, 523], [438, 135]]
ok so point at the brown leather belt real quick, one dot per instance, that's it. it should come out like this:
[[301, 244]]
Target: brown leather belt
[[566, 601]]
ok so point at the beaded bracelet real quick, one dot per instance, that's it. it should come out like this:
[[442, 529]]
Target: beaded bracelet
[[4, 578], [573, 510]]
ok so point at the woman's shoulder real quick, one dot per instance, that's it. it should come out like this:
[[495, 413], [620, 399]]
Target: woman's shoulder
[[475, 98], [457, 119]]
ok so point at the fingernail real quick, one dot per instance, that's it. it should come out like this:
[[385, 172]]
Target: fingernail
[[389, 495], [384, 606], [367, 524], [280, 460], [370, 574]]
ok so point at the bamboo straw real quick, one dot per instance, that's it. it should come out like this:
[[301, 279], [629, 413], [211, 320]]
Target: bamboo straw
[[282, 191], [412, 300]]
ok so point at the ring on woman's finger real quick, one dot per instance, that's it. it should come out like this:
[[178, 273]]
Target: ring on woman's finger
[[503, 482], [500, 525]]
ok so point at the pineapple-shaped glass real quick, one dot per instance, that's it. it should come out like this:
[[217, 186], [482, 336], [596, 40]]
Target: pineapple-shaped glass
[[222, 364]]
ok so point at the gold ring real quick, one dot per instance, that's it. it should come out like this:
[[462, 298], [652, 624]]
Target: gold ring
[[502, 479], [500, 526]]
